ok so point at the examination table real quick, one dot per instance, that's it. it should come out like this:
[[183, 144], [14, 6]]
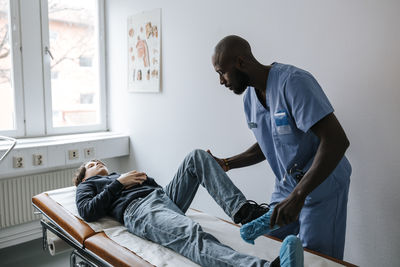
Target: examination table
[[108, 243]]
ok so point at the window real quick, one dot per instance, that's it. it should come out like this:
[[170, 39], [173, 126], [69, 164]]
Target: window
[[73, 69], [62, 44], [10, 70], [7, 106]]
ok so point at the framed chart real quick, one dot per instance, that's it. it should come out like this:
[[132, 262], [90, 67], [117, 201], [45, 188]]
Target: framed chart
[[144, 51]]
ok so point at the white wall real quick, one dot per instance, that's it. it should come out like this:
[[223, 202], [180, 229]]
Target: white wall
[[351, 47]]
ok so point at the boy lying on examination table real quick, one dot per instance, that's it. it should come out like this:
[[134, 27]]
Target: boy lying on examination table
[[158, 214]]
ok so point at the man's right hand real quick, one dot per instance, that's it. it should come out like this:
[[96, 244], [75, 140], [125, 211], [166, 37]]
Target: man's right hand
[[132, 178], [221, 162]]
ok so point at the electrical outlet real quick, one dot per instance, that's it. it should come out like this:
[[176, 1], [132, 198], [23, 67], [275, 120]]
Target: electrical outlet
[[18, 162], [73, 154], [37, 159], [88, 152]]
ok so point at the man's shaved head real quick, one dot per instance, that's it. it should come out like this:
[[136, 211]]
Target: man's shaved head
[[229, 48], [236, 66], [232, 57]]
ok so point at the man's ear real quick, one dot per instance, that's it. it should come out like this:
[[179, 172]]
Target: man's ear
[[240, 63]]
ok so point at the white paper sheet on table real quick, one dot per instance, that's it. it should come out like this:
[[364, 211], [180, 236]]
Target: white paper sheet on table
[[160, 256]]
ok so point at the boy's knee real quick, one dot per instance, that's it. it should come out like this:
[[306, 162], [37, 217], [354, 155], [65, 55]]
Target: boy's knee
[[198, 153]]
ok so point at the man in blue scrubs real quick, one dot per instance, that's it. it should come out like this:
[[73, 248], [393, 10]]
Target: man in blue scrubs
[[304, 143]]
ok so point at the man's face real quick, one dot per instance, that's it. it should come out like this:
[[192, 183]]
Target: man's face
[[95, 167], [231, 77]]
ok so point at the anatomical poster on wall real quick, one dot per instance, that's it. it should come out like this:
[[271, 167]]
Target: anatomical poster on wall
[[144, 54]]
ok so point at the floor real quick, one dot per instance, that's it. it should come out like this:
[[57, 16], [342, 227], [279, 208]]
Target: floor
[[31, 254]]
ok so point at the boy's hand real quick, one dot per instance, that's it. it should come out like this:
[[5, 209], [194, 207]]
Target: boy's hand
[[132, 178]]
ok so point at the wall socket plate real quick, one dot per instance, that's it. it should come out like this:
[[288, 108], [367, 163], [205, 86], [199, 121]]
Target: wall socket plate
[[18, 162], [73, 154], [37, 159], [88, 152]]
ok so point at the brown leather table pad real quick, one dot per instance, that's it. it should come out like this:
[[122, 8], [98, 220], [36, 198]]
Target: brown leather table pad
[[74, 226], [97, 243], [113, 253]]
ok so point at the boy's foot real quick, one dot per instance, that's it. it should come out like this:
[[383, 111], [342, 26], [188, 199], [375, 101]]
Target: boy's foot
[[291, 253], [260, 226], [250, 211]]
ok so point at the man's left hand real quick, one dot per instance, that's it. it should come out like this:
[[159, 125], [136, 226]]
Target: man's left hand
[[287, 211]]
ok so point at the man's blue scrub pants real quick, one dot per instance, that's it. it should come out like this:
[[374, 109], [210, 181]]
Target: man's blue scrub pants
[[321, 225]]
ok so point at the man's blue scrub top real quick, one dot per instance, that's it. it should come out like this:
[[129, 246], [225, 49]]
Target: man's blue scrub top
[[295, 102]]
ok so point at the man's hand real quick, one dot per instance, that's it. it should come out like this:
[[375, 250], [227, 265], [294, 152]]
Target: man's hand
[[287, 211], [221, 162], [132, 178]]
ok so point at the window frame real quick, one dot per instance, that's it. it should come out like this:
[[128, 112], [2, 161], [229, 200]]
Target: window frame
[[16, 69], [31, 75], [50, 130]]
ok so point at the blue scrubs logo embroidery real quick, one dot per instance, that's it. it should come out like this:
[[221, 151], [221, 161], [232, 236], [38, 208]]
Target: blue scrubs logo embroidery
[[282, 122]]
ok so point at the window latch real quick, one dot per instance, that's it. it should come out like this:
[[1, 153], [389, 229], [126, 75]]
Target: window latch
[[47, 50]]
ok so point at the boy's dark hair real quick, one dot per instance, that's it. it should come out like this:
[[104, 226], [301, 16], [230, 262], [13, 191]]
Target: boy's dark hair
[[81, 171], [79, 174]]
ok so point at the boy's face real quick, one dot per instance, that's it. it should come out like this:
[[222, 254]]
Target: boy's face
[[95, 167]]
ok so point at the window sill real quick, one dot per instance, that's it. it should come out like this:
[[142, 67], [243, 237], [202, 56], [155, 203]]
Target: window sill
[[62, 151]]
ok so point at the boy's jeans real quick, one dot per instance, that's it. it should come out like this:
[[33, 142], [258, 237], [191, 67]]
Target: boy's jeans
[[160, 216]]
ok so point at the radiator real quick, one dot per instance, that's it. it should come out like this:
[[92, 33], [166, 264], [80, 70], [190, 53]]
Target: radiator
[[16, 194]]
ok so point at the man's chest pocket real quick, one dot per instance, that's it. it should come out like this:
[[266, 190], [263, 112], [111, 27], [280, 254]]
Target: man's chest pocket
[[284, 130]]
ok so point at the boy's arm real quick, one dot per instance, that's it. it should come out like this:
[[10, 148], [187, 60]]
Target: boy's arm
[[92, 205]]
